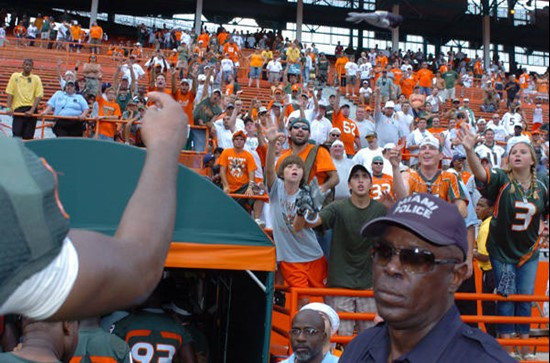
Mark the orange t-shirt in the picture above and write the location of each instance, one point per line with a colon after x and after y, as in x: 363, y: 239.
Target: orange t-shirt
x: 381, y: 183
x: 425, y: 77
x: 256, y: 60
x: 397, y: 74
x: 222, y: 38
x: 233, y: 51
x: 239, y: 165
x: 186, y: 102
x: 349, y: 131
x: 436, y: 131
x: 407, y: 86
x: 19, y: 30
x: 108, y: 108
x: 96, y: 32
x: 75, y: 32
x: 205, y: 39
x: 445, y: 185
x: 154, y: 89
x: 323, y: 162
x: 340, y: 65
x: 524, y: 80
x: 478, y: 69
x: 381, y: 61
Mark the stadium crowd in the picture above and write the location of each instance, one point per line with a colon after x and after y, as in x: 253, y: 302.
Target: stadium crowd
x: 337, y: 144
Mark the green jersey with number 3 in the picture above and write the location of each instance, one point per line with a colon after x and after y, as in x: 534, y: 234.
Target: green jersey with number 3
x: 514, y: 229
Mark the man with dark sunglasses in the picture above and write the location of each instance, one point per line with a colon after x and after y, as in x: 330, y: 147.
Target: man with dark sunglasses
x: 418, y: 263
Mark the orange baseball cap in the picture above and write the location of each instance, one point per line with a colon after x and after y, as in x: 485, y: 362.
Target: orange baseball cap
x: 295, y: 87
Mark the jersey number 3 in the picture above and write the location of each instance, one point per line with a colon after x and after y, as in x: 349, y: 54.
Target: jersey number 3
x: 525, y: 216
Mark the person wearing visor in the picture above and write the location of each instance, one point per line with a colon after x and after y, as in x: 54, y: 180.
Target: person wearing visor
x: 418, y: 256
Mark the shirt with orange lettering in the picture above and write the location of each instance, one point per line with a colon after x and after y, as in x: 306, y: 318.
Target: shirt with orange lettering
x: 320, y: 168
x: 238, y: 167
x: 233, y: 51
x: 349, y: 130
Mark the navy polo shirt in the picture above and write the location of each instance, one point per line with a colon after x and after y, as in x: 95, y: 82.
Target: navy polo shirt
x: 449, y: 341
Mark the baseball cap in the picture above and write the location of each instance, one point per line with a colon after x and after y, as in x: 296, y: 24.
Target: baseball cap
x: 345, y: 104
x: 277, y: 104
x: 323, y: 103
x: 239, y: 133
x: 371, y: 133
x: 201, y: 77
x: 230, y: 105
x: 466, y: 100
x: 217, y: 90
x: 378, y: 159
x: 336, y: 143
x: 34, y: 223
x: 206, y: 158
x: 481, y: 121
x: 389, y: 145
x: 295, y: 87
x: 69, y: 82
x: 518, y: 124
x: 389, y: 104
x: 335, y: 130
x: 185, y: 80
x: 357, y: 167
x: 368, y: 108
x: 431, y: 218
x: 262, y: 109
x: 297, y: 120
x: 430, y: 141
x: 456, y: 100
x: 278, y: 90
x: 458, y: 156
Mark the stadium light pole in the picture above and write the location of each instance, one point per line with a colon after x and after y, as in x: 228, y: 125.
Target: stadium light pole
x: 395, y: 31
x: 198, y: 17
x: 486, y: 32
x: 93, y: 12
x: 299, y: 19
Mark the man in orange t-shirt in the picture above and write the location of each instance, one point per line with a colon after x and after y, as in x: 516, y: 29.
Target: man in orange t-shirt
x: 381, y: 183
x: 237, y: 168
x: 96, y: 35
x: 323, y: 167
x: 425, y: 79
x: 340, y: 66
x: 397, y: 74
x: 348, y: 127
x: 408, y: 81
x: 185, y: 95
x: 108, y: 110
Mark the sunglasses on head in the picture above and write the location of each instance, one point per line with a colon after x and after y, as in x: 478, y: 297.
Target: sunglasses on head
x: 413, y: 260
x: 308, y: 332
x: 300, y: 127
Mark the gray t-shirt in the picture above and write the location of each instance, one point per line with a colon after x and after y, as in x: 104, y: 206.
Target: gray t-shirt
x: 291, y: 246
x: 387, y: 129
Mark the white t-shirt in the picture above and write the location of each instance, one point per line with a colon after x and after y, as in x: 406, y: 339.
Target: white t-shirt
x: 364, y: 127
x: 365, y: 156
x: 227, y: 65
x: 320, y: 130
x: 274, y: 66
x: 365, y: 70
x: 343, y: 166
x: 290, y: 246
x: 494, y: 153
x: 351, y: 69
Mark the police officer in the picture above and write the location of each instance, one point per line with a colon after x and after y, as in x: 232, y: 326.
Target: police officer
x: 418, y: 263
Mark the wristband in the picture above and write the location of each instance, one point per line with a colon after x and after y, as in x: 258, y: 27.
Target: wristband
x: 317, y: 218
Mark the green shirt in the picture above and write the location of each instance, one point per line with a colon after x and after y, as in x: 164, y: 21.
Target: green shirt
x: 514, y: 230
x: 205, y: 111
x: 450, y: 77
x: 95, y: 342
x: 12, y: 358
x: 152, y: 332
x: 350, y: 261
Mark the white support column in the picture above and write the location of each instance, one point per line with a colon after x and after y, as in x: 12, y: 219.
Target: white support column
x: 395, y: 32
x: 486, y: 36
x: 198, y: 17
x: 299, y: 19
x: 93, y: 12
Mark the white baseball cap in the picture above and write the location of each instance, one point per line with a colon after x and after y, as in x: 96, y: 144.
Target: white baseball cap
x: 389, y: 104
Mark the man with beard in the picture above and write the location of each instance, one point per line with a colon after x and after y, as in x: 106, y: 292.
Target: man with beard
x: 308, y: 336
x: 321, y: 165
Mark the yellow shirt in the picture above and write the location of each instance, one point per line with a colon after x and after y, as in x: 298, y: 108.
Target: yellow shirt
x: 292, y: 55
x: 24, y: 89
x: 256, y: 60
x: 482, y: 244
x: 267, y: 55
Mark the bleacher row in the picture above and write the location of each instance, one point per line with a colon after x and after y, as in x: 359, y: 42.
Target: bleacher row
x: 45, y: 63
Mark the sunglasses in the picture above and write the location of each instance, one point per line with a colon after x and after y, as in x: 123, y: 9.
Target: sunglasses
x: 377, y: 163
x: 412, y: 260
x: 300, y: 127
x: 308, y: 332
x: 335, y: 135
